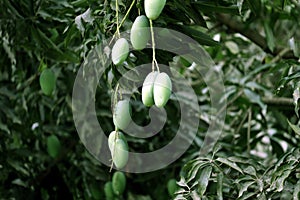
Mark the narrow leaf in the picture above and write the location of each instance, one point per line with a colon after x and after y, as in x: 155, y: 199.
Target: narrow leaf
x: 220, y: 177
x: 296, y: 193
x: 295, y: 128
x: 240, y: 5
x: 296, y: 96
x: 269, y: 36
x: 244, y: 187
x: 254, y: 6
x: 212, y: 7
x: 204, y: 179
x: 196, y: 33
x: 250, y: 170
x: 254, y: 98
x: 230, y: 164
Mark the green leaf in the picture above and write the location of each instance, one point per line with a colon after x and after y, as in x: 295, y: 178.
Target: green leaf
x: 262, y: 196
x: 276, y: 147
x: 204, y: 179
x: 196, y: 33
x: 296, y: 97
x: 269, y: 35
x: 254, y: 6
x: 194, y: 170
x: 295, y: 46
x: 279, y: 183
x: 230, y: 164
x: 244, y: 187
x: 213, y: 7
x: 86, y: 17
x: 250, y: 170
x: 18, y: 166
x: 191, y: 12
x: 255, y: 71
x: 95, y: 191
x: 4, y: 127
x: 254, y: 98
x: 296, y: 193
x: 248, y: 195
x: 47, y: 42
x: 232, y: 46
x: 295, y: 128
x: 220, y: 178
x: 240, y: 5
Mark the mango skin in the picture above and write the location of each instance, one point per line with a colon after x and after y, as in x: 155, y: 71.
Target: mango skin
x: 122, y: 114
x: 119, y: 183
x: 140, y: 34
x: 112, y: 138
x: 47, y: 81
x: 120, y: 153
x: 108, y: 191
x: 153, y: 8
x: 147, y: 89
x: 120, y: 51
x: 162, y: 89
x: 53, y: 146
x: 172, y: 187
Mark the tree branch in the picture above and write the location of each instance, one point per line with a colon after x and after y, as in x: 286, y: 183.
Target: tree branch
x: 281, y: 101
x: 252, y: 35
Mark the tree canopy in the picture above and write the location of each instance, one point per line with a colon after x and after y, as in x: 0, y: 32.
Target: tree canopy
x: 254, y: 46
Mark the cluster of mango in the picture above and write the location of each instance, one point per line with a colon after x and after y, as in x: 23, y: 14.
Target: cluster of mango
x: 156, y: 88
x: 116, y: 187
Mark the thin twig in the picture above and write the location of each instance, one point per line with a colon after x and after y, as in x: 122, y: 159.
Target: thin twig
x: 154, y: 62
x: 249, y: 129
x: 122, y: 22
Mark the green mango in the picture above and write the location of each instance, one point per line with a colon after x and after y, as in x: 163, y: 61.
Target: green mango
x: 140, y: 34
x: 47, y: 81
x: 119, y: 183
x: 53, y: 146
x: 172, y: 187
x: 108, y: 191
x: 112, y: 138
x: 162, y: 89
x: 120, y: 51
x: 119, y: 153
x: 153, y: 8
x: 122, y: 114
x: 147, y: 89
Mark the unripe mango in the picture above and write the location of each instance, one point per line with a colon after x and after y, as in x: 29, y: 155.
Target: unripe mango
x: 147, y: 89
x: 120, y: 51
x: 153, y: 8
x: 119, y: 153
x: 122, y: 114
x: 53, y: 146
x: 140, y: 33
x: 172, y: 187
x: 47, y: 81
x: 162, y: 89
x: 118, y: 183
x: 108, y: 191
x: 112, y: 138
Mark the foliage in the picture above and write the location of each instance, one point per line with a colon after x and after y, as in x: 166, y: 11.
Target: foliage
x: 255, y: 44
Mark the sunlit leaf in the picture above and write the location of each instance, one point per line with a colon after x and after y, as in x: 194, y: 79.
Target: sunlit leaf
x: 294, y: 127
x: 204, y: 179
x: 254, y: 98
x: 230, y: 164
x: 244, y: 187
